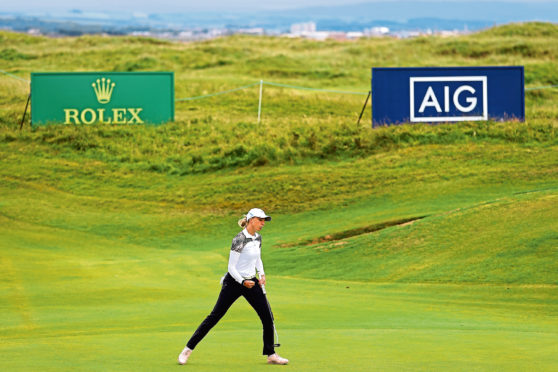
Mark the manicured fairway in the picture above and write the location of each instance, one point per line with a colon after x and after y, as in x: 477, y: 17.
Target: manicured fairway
x: 323, y: 325
x: 75, y: 300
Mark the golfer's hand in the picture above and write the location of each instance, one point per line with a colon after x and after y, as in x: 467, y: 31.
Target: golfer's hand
x: 249, y: 283
x: 262, y: 280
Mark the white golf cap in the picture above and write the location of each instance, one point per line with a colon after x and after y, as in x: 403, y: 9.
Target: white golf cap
x: 257, y: 212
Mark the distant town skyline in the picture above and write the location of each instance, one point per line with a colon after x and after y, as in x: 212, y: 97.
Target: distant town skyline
x: 195, y: 6
x: 319, y: 19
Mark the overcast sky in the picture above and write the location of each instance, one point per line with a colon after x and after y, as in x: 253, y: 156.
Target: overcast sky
x: 182, y: 5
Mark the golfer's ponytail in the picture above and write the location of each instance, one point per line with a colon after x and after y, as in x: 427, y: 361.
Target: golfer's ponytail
x: 243, y: 222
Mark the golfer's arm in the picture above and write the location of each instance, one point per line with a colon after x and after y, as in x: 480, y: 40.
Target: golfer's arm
x: 259, y: 266
x: 233, y: 260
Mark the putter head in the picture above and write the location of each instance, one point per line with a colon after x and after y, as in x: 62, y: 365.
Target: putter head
x: 276, y: 345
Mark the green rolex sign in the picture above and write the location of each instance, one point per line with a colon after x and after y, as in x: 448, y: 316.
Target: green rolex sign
x: 83, y: 98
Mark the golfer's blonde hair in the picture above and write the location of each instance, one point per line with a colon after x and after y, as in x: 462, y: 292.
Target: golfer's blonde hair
x: 243, y: 222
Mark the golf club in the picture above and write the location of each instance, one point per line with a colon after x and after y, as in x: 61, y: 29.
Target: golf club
x: 277, y: 344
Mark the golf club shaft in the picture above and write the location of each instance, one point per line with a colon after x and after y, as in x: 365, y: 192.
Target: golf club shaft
x: 277, y: 344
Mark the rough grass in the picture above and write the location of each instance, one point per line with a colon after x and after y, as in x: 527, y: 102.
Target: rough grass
x: 220, y: 64
x: 211, y: 145
x: 298, y: 126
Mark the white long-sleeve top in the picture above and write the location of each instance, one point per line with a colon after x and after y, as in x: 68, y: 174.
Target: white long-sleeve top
x: 245, y: 256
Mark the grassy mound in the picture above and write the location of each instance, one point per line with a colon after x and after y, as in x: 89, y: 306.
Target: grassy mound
x: 176, y: 149
x: 505, y: 241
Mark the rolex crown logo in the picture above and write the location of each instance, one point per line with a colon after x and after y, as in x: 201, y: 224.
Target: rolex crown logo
x: 103, y: 89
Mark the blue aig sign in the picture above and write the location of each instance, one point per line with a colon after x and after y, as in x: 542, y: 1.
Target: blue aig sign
x: 448, y: 94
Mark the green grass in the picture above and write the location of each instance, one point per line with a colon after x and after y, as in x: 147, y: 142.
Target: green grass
x: 113, y: 239
x: 484, y: 243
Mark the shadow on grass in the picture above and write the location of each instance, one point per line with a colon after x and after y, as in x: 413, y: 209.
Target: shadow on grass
x: 354, y: 232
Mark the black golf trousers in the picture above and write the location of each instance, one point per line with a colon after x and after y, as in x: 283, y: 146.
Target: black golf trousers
x: 230, y: 292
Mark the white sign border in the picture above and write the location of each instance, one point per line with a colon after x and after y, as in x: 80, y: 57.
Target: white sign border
x: 414, y: 119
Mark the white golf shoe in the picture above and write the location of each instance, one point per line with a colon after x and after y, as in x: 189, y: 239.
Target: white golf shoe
x: 184, y: 355
x: 276, y: 359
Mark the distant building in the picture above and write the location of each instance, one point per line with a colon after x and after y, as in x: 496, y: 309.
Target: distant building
x: 336, y: 35
x: 301, y: 29
x: 408, y: 34
x: 141, y: 33
x: 257, y: 31
x: 34, y: 32
x: 355, y: 35
x: 376, y: 31
x: 185, y: 35
x: 448, y: 33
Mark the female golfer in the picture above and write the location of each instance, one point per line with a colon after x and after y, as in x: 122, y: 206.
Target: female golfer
x: 240, y: 280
